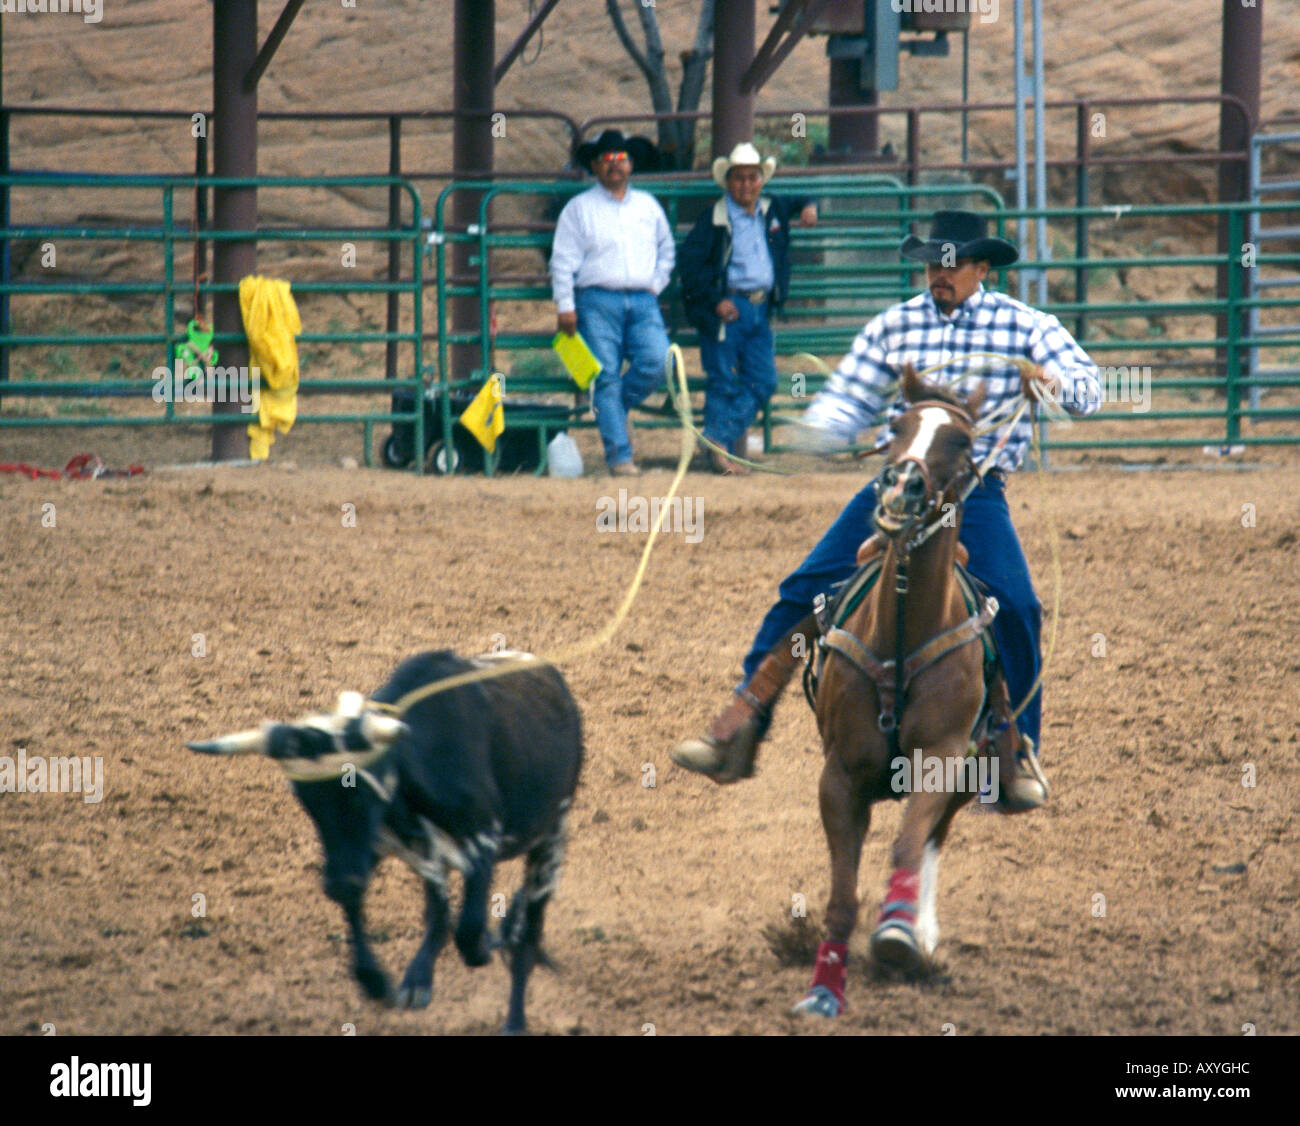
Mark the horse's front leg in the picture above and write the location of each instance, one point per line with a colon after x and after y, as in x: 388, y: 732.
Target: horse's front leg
x: 846, y: 817
x: 927, y: 917
x: 908, y: 922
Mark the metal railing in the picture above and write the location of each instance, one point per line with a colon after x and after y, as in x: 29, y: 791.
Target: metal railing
x: 849, y: 262
x: 911, y: 165
x: 1173, y: 362
x: 166, y: 233
x: 1259, y: 279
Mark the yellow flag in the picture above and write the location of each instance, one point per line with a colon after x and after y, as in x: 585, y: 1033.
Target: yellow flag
x: 485, y: 417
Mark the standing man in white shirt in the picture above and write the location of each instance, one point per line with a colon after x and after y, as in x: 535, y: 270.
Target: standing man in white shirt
x: 612, y: 257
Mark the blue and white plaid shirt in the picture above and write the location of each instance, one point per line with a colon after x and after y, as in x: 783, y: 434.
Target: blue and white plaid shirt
x: 918, y: 332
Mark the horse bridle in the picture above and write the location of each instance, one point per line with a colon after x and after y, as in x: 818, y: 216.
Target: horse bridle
x: 915, y: 530
x: 919, y: 526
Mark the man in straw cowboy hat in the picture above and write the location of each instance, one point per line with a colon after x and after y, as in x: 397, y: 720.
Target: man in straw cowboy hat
x: 735, y: 271
x: 612, y: 256
x: 955, y: 317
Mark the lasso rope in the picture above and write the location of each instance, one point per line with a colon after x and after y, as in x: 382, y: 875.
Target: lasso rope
x: 506, y: 665
x: 677, y: 373
x: 1054, y: 542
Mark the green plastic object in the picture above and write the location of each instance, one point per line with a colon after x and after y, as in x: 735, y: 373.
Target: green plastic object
x: 197, y: 349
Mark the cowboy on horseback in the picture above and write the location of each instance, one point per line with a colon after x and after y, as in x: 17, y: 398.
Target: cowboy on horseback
x: 955, y: 317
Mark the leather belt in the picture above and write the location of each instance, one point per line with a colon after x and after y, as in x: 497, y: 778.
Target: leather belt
x: 753, y: 296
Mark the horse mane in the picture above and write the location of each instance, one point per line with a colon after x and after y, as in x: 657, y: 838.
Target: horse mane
x: 917, y: 390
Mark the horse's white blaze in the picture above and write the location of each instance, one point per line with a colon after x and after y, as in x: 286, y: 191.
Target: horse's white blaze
x: 927, y: 918
x: 931, y: 419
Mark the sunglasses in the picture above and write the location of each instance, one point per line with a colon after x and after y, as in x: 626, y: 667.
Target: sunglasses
x: 611, y: 157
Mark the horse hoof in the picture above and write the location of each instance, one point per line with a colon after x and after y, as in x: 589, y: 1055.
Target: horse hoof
x: 894, y: 944
x: 820, y: 1002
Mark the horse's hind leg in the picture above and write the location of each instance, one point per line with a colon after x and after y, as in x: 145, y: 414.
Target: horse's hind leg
x: 846, y: 816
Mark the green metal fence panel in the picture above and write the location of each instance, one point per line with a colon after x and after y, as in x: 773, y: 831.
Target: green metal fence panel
x: 1198, y: 341
x: 871, y: 216
x: 167, y: 234
x: 1177, y: 332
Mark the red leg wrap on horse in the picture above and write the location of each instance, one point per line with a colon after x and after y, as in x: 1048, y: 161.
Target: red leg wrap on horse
x: 900, y: 899
x: 832, y: 958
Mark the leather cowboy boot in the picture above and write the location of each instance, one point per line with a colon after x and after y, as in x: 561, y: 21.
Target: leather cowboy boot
x: 1023, y: 785
x: 726, y: 754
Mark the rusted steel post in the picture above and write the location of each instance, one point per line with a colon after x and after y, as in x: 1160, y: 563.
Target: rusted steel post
x: 234, y: 150
x: 1239, y: 76
x: 733, y: 51
x: 852, y: 137
x: 472, y: 68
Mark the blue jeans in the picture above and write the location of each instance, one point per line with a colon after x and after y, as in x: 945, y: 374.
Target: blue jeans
x: 996, y: 559
x: 741, y: 371
x: 621, y: 325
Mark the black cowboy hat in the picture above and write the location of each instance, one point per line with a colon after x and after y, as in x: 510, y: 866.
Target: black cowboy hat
x: 959, y: 234
x: 641, y: 152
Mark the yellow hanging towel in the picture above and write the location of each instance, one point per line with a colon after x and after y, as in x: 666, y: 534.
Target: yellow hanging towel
x: 485, y: 417
x: 271, y: 323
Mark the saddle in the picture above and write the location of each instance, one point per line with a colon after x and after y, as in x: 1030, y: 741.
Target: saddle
x: 980, y: 604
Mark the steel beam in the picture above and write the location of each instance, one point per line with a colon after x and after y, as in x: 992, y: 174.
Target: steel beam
x: 517, y: 47
x: 1239, y: 78
x: 234, y: 154
x: 254, y: 73
x: 472, y: 99
x: 855, y: 136
x: 733, y: 51
x: 793, y: 23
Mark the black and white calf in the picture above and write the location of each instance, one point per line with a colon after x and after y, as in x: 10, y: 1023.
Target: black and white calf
x: 460, y: 779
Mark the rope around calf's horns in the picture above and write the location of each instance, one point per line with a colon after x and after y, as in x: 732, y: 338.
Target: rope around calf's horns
x: 677, y: 373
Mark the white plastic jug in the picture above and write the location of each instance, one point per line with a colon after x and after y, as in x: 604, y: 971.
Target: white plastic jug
x: 562, y: 456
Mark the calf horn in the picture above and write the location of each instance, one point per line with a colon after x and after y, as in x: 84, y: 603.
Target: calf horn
x: 241, y: 743
x: 381, y: 730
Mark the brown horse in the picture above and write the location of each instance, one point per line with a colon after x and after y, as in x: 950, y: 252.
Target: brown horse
x: 896, y: 707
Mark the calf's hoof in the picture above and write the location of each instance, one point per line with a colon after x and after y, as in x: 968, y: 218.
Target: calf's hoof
x: 894, y: 944
x: 476, y: 950
x: 375, y: 983
x: 414, y: 996
x: 819, y: 1002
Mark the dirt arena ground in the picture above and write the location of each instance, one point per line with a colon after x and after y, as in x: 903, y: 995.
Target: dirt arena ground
x: 1175, y: 678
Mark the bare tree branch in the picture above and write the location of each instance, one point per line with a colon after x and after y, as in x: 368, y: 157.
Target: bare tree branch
x: 676, y: 138
x: 654, y: 45
x: 629, y: 45
x: 704, y: 30
x: 695, y: 68
x: 695, y: 63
